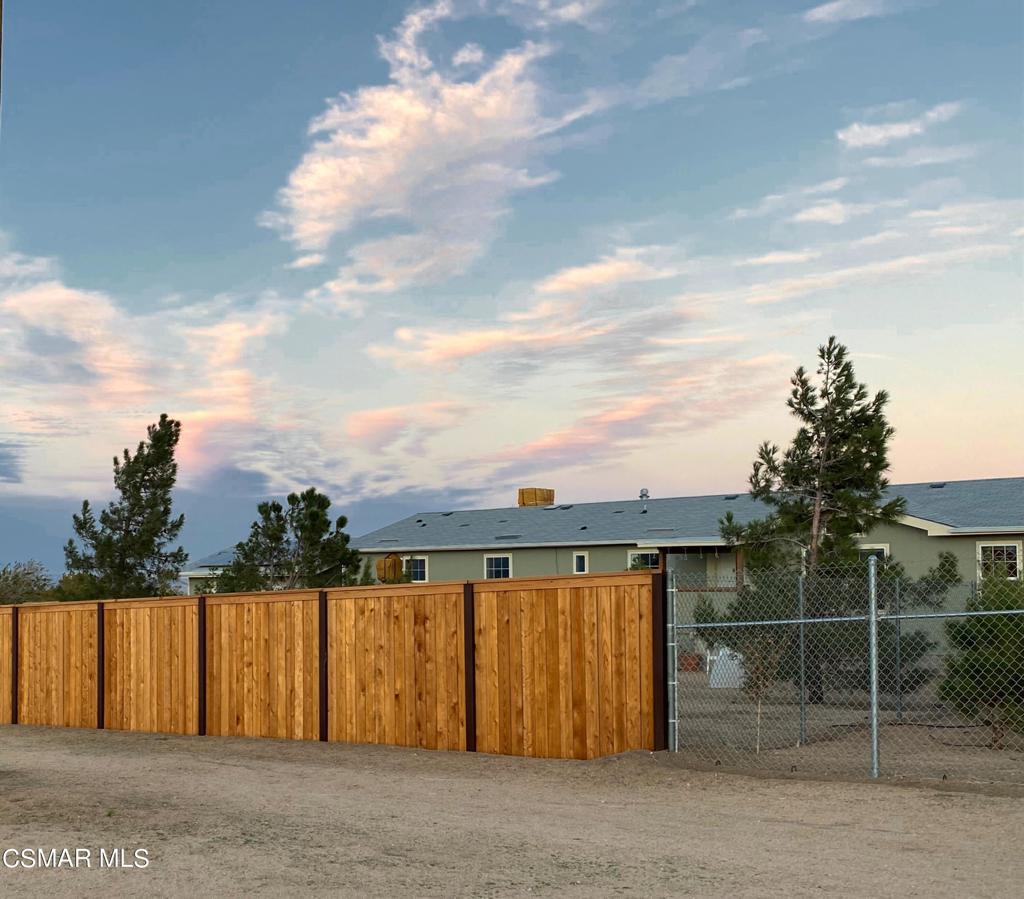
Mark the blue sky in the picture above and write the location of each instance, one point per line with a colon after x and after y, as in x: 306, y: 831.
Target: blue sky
x: 422, y: 254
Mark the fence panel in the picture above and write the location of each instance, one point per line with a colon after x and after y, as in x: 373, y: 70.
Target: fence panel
x: 854, y: 670
x: 564, y: 667
x: 57, y: 664
x: 262, y: 674
x: 395, y: 666
x: 6, y: 657
x: 151, y: 666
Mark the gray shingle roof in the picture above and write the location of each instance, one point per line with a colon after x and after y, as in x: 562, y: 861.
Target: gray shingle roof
x: 995, y: 503
x: 991, y: 503
x: 217, y: 560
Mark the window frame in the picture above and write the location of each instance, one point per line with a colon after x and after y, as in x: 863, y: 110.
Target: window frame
x: 884, y: 547
x: 586, y: 561
x: 981, y: 544
x: 507, y: 556
x: 631, y: 554
x: 426, y: 567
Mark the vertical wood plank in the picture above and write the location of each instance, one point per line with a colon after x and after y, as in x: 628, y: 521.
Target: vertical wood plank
x: 526, y: 611
x: 579, y: 680
x: 605, y: 670
x: 565, y: 719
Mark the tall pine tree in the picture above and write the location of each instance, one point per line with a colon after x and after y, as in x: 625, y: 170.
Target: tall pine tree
x: 126, y: 551
x: 829, y: 484
x: 295, y: 547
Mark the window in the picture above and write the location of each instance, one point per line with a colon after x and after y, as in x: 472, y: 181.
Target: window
x: 416, y: 568
x: 999, y: 558
x: 879, y: 550
x: 580, y: 563
x: 497, y: 566
x: 644, y: 559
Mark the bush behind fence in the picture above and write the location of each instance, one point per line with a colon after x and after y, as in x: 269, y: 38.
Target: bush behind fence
x: 780, y: 672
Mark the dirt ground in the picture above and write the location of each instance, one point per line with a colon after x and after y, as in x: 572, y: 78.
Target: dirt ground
x: 230, y: 817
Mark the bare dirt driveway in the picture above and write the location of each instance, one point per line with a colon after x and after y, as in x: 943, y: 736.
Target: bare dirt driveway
x: 226, y: 817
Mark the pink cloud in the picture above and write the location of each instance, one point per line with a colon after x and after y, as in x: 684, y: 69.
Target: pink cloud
x: 380, y: 428
x: 433, y: 348
x: 626, y: 265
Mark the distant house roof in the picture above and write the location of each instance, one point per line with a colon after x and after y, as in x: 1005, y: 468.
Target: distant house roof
x: 217, y: 560
x: 991, y: 504
x: 980, y: 505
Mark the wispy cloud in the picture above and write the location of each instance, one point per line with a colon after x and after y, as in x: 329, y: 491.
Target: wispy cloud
x: 771, y: 203
x: 715, y: 62
x: 10, y: 461
x: 625, y: 265
x: 879, y: 134
x: 308, y: 261
x: 439, y: 157
x: 377, y: 429
x: 444, y: 348
x: 839, y: 11
x: 923, y: 156
x: 17, y: 266
x: 629, y: 421
x: 835, y: 212
x: 790, y: 288
x: 468, y: 55
x: 781, y: 257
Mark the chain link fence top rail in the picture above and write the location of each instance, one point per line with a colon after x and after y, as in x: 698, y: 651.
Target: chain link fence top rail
x: 796, y: 673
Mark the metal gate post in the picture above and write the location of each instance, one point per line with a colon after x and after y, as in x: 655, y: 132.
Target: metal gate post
x: 873, y: 657
x: 803, y: 667
x: 899, y: 660
x: 673, y: 665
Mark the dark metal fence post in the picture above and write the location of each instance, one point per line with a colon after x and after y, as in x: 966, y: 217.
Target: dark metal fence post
x: 14, y: 664
x: 659, y: 597
x: 672, y: 652
x: 803, y: 660
x: 873, y: 657
x: 101, y: 667
x: 322, y: 605
x: 469, y: 662
x: 201, y: 666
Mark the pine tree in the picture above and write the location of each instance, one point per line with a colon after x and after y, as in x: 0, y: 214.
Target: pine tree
x: 125, y: 552
x: 825, y: 488
x: 295, y: 547
x: 830, y: 483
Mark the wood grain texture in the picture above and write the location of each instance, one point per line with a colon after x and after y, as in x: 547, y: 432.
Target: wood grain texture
x: 396, y: 671
x: 5, y: 664
x: 263, y: 666
x: 563, y: 666
x: 151, y: 666
x: 57, y: 665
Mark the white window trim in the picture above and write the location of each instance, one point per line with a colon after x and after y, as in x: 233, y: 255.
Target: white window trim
x: 631, y: 555
x: 882, y: 546
x: 586, y: 561
x: 498, y: 556
x: 426, y: 567
x: 982, y: 543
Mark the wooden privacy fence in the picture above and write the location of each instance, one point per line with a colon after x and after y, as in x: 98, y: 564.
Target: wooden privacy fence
x: 563, y: 667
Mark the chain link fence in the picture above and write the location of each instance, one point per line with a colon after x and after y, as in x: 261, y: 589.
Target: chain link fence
x: 856, y: 671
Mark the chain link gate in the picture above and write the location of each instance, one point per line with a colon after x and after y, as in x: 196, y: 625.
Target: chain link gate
x: 854, y: 670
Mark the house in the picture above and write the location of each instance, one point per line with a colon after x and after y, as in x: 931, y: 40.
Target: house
x: 980, y: 521
x: 199, y: 577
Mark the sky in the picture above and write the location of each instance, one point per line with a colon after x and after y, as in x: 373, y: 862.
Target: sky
x: 420, y: 255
